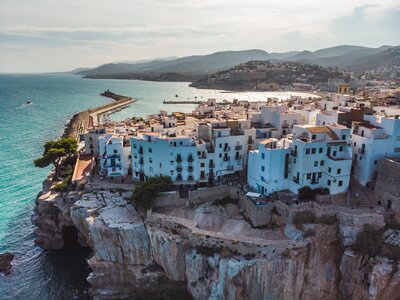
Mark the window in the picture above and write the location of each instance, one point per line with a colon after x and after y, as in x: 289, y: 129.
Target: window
x: 328, y: 182
x: 319, y: 174
x: 115, y: 151
x: 316, y: 163
x: 329, y: 169
x: 308, y: 151
x: 262, y: 156
x: 262, y: 168
x: 134, y: 146
x: 294, y: 160
x: 314, y: 136
x: 202, y: 165
x: 354, y: 144
x: 151, y: 169
x: 322, y: 163
x: 375, y: 162
x: 321, y: 150
x: 220, y: 145
x: 150, y: 159
x: 262, y: 178
x: 150, y: 150
x: 308, y: 175
x: 341, y: 149
x: 313, y: 150
x: 340, y: 183
x: 135, y: 155
x: 343, y: 137
x: 334, y: 153
x: 339, y: 171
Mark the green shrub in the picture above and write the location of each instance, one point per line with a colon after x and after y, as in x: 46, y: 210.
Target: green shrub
x: 369, y: 241
x: 145, y: 195
x: 304, y: 217
x: 306, y: 193
x: 67, y: 172
x: 61, y: 186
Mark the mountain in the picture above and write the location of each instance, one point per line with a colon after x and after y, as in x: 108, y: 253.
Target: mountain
x: 346, y: 57
x: 196, y: 64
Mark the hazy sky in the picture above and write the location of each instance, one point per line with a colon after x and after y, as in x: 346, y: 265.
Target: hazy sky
x: 52, y: 35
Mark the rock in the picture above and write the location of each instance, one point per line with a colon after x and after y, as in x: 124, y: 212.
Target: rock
x: 5, y: 262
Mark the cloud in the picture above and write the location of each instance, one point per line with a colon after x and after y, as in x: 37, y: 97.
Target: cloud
x: 118, y: 30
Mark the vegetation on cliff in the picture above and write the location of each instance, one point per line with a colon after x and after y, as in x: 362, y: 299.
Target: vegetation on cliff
x: 145, y: 195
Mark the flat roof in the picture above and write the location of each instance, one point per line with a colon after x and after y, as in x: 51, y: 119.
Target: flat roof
x: 83, y: 165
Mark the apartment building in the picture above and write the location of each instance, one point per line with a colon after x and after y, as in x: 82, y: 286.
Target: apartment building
x: 372, y: 139
x: 115, y: 155
x: 320, y: 157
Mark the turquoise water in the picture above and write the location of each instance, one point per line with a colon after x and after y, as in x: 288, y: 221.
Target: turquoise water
x: 39, y: 274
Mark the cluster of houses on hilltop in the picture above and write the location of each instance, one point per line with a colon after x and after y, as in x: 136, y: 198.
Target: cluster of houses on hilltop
x: 316, y: 142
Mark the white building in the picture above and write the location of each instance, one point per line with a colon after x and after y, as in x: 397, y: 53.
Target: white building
x: 115, y: 155
x: 91, y: 139
x: 373, y: 139
x: 155, y: 155
x: 320, y: 158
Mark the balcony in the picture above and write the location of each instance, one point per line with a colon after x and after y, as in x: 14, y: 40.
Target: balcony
x: 361, y: 151
x: 141, y: 161
x: 140, y: 150
x: 294, y: 153
x: 226, y: 149
x: 190, y: 159
x: 190, y: 168
x: 295, y: 179
x: 238, y: 157
x: 211, y: 165
x: 250, y: 141
x: 227, y: 158
x: 285, y: 126
x: 179, y: 178
x: 203, y: 156
x: 238, y: 147
x: 179, y: 158
x: 179, y: 168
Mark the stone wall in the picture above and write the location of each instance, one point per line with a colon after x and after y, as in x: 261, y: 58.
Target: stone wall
x: 242, y: 245
x: 387, y: 188
x: 259, y: 215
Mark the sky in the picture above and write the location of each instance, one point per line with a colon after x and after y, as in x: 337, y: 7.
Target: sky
x: 53, y: 35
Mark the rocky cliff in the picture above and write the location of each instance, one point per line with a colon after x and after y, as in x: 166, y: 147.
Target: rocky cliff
x: 159, y: 255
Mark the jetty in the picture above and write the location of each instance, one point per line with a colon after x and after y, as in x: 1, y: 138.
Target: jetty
x: 183, y: 102
x: 80, y: 122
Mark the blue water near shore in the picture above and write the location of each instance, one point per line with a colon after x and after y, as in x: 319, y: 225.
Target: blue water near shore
x: 39, y: 274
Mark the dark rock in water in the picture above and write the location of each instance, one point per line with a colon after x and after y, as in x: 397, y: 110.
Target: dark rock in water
x: 5, y: 262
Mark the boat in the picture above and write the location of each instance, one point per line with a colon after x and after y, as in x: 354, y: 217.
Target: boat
x: 29, y: 102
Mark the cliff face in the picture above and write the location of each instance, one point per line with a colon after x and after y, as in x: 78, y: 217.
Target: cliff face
x: 159, y: 255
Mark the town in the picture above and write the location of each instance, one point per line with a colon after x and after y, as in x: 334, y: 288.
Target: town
x: 323, y: 143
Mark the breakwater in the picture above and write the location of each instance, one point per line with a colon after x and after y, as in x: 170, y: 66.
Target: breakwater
x: 80, y: 122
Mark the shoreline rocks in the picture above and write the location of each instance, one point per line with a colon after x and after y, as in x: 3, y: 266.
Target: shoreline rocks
x: 5, y: 262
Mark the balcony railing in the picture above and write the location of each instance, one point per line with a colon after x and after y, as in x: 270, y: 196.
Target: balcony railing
x: 295, y: 179
x: 190, y: 159
x: 179, y: 158
x: 238, y: 147
x: 227, y: 158
x: 190, y: 169
x: 179, y: 168
x: 226, y: 149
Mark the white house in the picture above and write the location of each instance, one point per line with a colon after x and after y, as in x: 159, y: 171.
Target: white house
x: 373, y: 139
x: 115, y: 155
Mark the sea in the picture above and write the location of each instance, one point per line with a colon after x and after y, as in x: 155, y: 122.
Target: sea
x: 24, y: 128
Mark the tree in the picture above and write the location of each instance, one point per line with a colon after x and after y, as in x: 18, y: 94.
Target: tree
x: 145, y: 194
x: 55, y: 150
x: 306, y: 193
